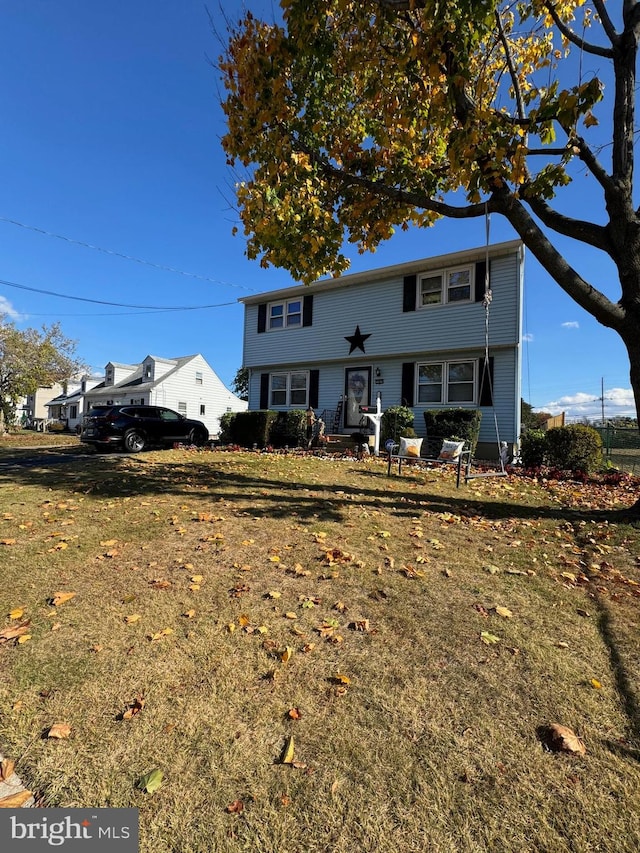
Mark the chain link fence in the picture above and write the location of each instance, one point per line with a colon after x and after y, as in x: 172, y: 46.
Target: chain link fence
x: 621, y: 447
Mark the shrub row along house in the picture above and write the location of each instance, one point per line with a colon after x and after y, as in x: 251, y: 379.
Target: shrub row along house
x: 414, y: 333
x: 187, y: 384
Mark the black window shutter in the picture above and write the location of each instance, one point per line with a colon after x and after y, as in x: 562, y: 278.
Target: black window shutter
x: 408, y: 381
x: 485, y: 398
x: 409, y: 293
x: 262, y: 317
x: 307, y: 310
x: 481, y: 274
x: 264, y: 390
x: 314, y: 386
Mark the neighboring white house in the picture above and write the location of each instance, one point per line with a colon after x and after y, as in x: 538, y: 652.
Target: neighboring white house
x: 68, y: 407
x: 34, y: 408
x: 187, y: 384
x: 413, y: 333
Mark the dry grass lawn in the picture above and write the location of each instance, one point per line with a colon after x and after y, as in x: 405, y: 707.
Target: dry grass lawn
x: 408, y: 640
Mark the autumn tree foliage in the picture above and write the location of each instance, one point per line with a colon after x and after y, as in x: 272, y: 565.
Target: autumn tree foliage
x: 352, y: 119
x: 30, y: 359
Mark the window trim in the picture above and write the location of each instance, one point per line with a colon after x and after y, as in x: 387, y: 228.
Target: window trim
x: 445, y: 397
x: 288, y: 404
x: 284, y: 304
x: 445, y: 273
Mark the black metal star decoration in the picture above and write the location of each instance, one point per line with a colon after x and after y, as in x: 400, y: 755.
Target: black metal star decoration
x: 356, y: 340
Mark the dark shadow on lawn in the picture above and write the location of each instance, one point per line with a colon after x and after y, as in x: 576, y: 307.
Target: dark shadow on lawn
x: 112, y: 476
x: 624, y: 686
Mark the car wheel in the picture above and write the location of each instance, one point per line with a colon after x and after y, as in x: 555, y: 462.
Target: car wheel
x: 197, y: 437
x: 134, y: 441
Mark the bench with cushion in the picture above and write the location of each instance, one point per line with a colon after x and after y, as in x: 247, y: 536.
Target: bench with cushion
x: 433, y: 450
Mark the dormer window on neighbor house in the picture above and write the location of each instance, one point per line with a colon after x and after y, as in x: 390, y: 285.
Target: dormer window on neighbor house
x: 108, y: 375
x: 148, y: 371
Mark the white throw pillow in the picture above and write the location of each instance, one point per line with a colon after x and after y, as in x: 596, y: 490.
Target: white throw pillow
x: 410, y: 447
x: 451, y: 449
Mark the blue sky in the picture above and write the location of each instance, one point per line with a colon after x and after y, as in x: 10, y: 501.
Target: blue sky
x: 111, y: 126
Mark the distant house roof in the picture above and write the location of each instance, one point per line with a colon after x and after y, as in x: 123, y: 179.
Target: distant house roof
x: 138, y: 380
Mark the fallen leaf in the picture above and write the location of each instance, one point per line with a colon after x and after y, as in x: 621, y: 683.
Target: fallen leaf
x: 274, y: 594
x: 189, y: 614
x: 135, y: 617
x: 151, y: 781
x: 15, y: 801
x: 287, y: 752
x: 359, y: 625
x: 59, y: 731
x: 24, y: 638
x: 14, y: 631
x: 16, y: 613
x: 489, y: 639
x: 504, y: 612
x: 59, y: 598
x: 133, y: 708
x: 595, y: 683
x: 285, y: 656
x: 197, y: 578
x: 582, y: 612
x: 109, y: 543
x: 8, y: 541
x: 561, y: 739
x: 7, y: 767
x: 236, y: 807
x: 294, y: 713
x: 290, y: 615
x: 340, y: 678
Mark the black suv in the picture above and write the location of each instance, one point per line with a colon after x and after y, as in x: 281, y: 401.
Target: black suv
x: 137, y: 427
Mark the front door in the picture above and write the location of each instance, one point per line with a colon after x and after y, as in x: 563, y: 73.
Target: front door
x: 357, y: 392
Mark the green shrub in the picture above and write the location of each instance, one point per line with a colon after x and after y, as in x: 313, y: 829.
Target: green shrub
x: 289, y: 429
x: 454, y: 423
x: 395, y: 422
x: 574, y: 447
x: 249, y: 428
x: 533, y: 446
x: 225, y: 432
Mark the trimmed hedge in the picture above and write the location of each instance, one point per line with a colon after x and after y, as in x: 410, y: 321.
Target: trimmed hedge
x: 289, y: 429
x: 396, y: 421
x: 575, y: 447
x: 533, y: 447
x: 454, y: 423
x: 249, y: 428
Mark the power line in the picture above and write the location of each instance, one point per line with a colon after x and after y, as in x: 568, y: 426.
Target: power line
x: 113, y: 304
x: 122, y: 255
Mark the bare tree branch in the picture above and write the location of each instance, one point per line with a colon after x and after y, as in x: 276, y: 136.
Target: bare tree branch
x: 568, y: 33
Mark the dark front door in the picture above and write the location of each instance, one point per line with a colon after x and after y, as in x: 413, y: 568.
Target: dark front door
x: 357, y: 392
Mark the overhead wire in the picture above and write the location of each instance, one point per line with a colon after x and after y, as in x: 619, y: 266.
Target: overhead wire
x: 123, y: 255
x: 153, y: 308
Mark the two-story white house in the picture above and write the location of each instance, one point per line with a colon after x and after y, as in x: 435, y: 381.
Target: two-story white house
x: 187, y: 384
x: 414, y: 333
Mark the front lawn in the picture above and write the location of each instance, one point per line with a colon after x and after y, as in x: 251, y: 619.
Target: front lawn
x: 401, y: 644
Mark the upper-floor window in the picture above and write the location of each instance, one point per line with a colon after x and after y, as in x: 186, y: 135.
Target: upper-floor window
x: 289, y: 389
x: 108, y: 376
x: 148, y: 370
x: 285, y: 315
x: 445, y: 286
x: 198, y: 377
x: 447, y: 382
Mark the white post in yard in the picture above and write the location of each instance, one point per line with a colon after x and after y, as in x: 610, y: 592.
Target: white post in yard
x: 375, y: 420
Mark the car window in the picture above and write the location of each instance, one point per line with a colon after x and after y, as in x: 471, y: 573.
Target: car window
x: 99, y: 411
x: 169, y: 415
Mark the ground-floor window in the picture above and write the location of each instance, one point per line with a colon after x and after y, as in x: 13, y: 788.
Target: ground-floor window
x: 452, y: 382
x: 289, y: 389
